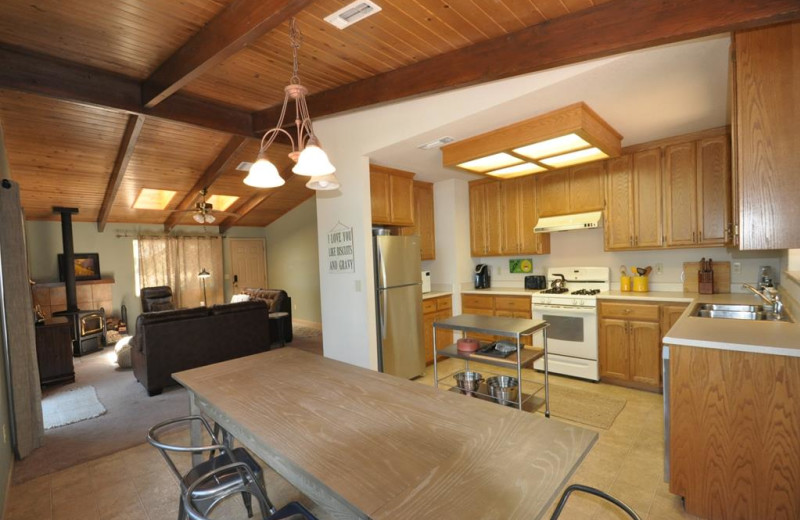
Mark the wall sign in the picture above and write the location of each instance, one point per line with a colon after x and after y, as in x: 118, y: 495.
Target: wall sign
x: 341, y: 258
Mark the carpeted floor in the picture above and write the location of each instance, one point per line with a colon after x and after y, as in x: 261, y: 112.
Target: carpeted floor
x: 130, y: 413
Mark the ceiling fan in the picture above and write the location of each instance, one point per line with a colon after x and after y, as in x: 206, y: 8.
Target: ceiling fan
x: 203, y: 212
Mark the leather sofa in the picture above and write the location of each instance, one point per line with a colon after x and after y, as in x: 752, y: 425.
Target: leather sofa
x: 171, y: 341
x: 278, y: 301
x: 156, y: 298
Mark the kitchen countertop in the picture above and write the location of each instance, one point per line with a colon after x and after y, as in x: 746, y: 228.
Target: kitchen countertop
x: 513, y: 291
x: 764, y: 337
x: 656, y: 296
x: 428, y: 295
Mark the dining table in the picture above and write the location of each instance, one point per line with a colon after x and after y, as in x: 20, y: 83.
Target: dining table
x: 364, y: 444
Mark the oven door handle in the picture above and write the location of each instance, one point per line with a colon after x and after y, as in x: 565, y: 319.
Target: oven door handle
x: 564, y: 311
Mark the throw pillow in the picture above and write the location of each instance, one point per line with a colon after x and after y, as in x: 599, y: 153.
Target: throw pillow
x: 123, y: 351
x: 237, y: 298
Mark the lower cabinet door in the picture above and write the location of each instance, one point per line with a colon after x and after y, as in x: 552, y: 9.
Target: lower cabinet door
x: 614, y: 350
x: 645, y: 349
x: 444, y: 337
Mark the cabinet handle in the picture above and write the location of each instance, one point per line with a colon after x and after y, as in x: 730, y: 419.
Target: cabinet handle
x: 636, y: 240
x: 631, y: 240
x: 626, y: 311
x: 694, y: 237
x: 699, y: 236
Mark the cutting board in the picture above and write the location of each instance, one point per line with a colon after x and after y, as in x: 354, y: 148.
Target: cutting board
x: 722, y: 277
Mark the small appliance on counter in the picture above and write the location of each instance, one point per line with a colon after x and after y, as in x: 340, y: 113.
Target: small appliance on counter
x: 482, y: 278
x: 426, y: 282
x: 536, y: 281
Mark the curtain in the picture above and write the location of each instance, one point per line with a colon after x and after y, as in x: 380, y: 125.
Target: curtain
x: 176, y: 262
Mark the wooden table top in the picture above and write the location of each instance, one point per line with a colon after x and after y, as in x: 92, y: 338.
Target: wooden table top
x: 386, y: 447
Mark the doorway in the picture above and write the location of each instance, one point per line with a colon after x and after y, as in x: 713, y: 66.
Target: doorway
x: 248, y: 263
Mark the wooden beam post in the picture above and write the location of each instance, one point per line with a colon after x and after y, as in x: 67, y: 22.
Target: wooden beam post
x: 239, y: 24
x: 51, y: 77
x: 217, y: 167
x: 610, y: 28
x: 132, y: 131
x: 252, y: 203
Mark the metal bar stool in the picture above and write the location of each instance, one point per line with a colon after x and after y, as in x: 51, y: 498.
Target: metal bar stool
x: 228, y: 475
x: 593, y: 491
x: 192, y: 500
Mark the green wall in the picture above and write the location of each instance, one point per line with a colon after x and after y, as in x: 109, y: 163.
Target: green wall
x: 293, y: 259
x: 116, y: 254
x: 6, y: 454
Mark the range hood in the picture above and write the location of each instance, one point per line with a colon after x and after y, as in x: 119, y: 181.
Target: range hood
x: 589, y: 220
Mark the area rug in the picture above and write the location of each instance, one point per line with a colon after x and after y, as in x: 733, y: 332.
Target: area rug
x: 589, y: 408
x: 70, y: 407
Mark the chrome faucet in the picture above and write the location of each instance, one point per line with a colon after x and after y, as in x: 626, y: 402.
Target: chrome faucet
x: 774, y: 299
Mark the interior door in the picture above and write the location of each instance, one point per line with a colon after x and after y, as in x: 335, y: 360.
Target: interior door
x: 248, y: 263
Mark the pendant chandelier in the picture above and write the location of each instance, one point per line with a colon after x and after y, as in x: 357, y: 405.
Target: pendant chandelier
x: 311, y: 160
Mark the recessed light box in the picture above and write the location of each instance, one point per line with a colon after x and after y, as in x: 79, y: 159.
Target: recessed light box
x: 222, y: 202
x: 352, y: 13
x: 150, y: 198
x: 571, y: 135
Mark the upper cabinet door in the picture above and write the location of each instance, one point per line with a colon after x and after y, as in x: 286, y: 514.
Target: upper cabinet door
x: 401, y: 191
x: 680, y: 187
x: 530, y: 243
x: 424, y: 219
x: 767, y: 134
x: 713, y: 190
x: 381, y: 202
x: 552, y: 196
x: 511, y: 216
x: 477, y: 219
x: 619, y: 203
x: 494, y: 218
x: 587, y: 187
x: 647, y: 199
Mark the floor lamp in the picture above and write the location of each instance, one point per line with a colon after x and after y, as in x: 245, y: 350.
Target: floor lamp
x: 203, y: 275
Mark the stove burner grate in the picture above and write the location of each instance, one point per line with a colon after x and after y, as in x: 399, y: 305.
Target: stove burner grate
x: 555, y: 290
x: 586, y: 292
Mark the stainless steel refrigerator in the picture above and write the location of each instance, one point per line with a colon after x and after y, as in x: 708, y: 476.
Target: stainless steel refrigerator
x: 398, y: 287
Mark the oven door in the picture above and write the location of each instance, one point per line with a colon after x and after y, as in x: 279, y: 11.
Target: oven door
x: 572, y: 331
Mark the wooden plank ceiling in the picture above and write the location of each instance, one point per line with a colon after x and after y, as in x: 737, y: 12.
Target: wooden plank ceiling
x: 101, y: 99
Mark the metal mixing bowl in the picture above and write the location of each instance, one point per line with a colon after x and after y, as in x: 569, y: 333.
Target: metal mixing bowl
x: 503, y: 388
x: 468, y: 382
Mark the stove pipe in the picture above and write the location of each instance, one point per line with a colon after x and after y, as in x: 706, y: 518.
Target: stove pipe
x: 69, y: 256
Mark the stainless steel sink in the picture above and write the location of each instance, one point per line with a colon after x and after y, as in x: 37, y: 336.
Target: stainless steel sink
x: 738, y: 312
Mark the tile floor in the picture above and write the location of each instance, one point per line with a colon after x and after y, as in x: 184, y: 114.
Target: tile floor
x: 626, y: 461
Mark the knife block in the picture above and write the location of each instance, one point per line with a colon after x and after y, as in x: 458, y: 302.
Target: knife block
x: 705, y: 282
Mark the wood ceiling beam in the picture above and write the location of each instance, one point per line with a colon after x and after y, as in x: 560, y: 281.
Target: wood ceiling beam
x: 252, y: 203
x: 132, y: 131
x: 217, y: 167
x: 51, y: 77
x: 238, y: 25
x: 608, y: 29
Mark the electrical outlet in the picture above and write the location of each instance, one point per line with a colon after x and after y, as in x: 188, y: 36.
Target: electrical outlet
x: 659, y: 268
x: 737, y: 268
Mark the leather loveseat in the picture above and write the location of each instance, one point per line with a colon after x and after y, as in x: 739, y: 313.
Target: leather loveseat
x: 170, y: 341
x: 278, y: 301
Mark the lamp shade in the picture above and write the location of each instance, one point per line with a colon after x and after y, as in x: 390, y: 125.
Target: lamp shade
x: 323, y: 183
x: 263, y: 174
x: 203, y: 274
x: 313, y: 162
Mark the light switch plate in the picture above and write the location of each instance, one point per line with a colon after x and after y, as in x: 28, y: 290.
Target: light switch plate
x: 737, y: 268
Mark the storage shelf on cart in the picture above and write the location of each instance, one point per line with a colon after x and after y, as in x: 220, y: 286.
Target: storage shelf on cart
x: 495, y: 325
x: 527, y: 356
x: 528, y: 403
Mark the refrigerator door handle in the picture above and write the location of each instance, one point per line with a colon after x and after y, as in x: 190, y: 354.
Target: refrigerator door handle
x: 382, y: 304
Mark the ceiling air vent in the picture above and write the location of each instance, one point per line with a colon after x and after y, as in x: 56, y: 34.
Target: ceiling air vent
x: 437, y: 143
x: 352, y: 13
x: 244, y: 166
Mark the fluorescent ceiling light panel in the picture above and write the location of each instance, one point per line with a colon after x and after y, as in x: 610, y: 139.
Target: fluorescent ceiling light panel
x: 222, y: 202
x: 491, y: 162
x: 153, y: 199
x: 572, y: 158
x: 352, y: 13
x: 517, y: 171
x: 555, y: 146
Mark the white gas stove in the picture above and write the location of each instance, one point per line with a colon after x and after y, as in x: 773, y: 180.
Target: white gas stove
x: 572, y: 314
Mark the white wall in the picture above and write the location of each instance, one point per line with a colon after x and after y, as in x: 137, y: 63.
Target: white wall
x: 585, y: 248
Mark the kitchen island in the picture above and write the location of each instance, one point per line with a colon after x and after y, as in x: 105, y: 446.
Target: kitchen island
x: 363, y: 444
x: 732, y: 402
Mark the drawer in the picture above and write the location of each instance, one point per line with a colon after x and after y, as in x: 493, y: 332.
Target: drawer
x: 429, y: 306
x: 444, y: 303
x: 512, y: 303
x: 629, y: 311
x: 477, y: 301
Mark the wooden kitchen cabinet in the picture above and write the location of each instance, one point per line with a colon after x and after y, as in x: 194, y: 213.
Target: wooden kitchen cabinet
x: 670, y: 313
x: 630, y: 344
x: 502, y: 217
x: 436, y: 309
x: 424, y: 226
x: 578, y: 189
x: 633, y: 201
x: 392, y: 196
x: 497, y: 305
x: 714, y: 212
x: 680, y: 194
x: 766, y: 130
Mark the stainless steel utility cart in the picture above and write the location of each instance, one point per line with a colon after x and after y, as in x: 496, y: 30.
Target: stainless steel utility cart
x: 515, y: 328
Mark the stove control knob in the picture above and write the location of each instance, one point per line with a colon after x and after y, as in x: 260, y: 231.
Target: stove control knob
x: 578, y: 303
